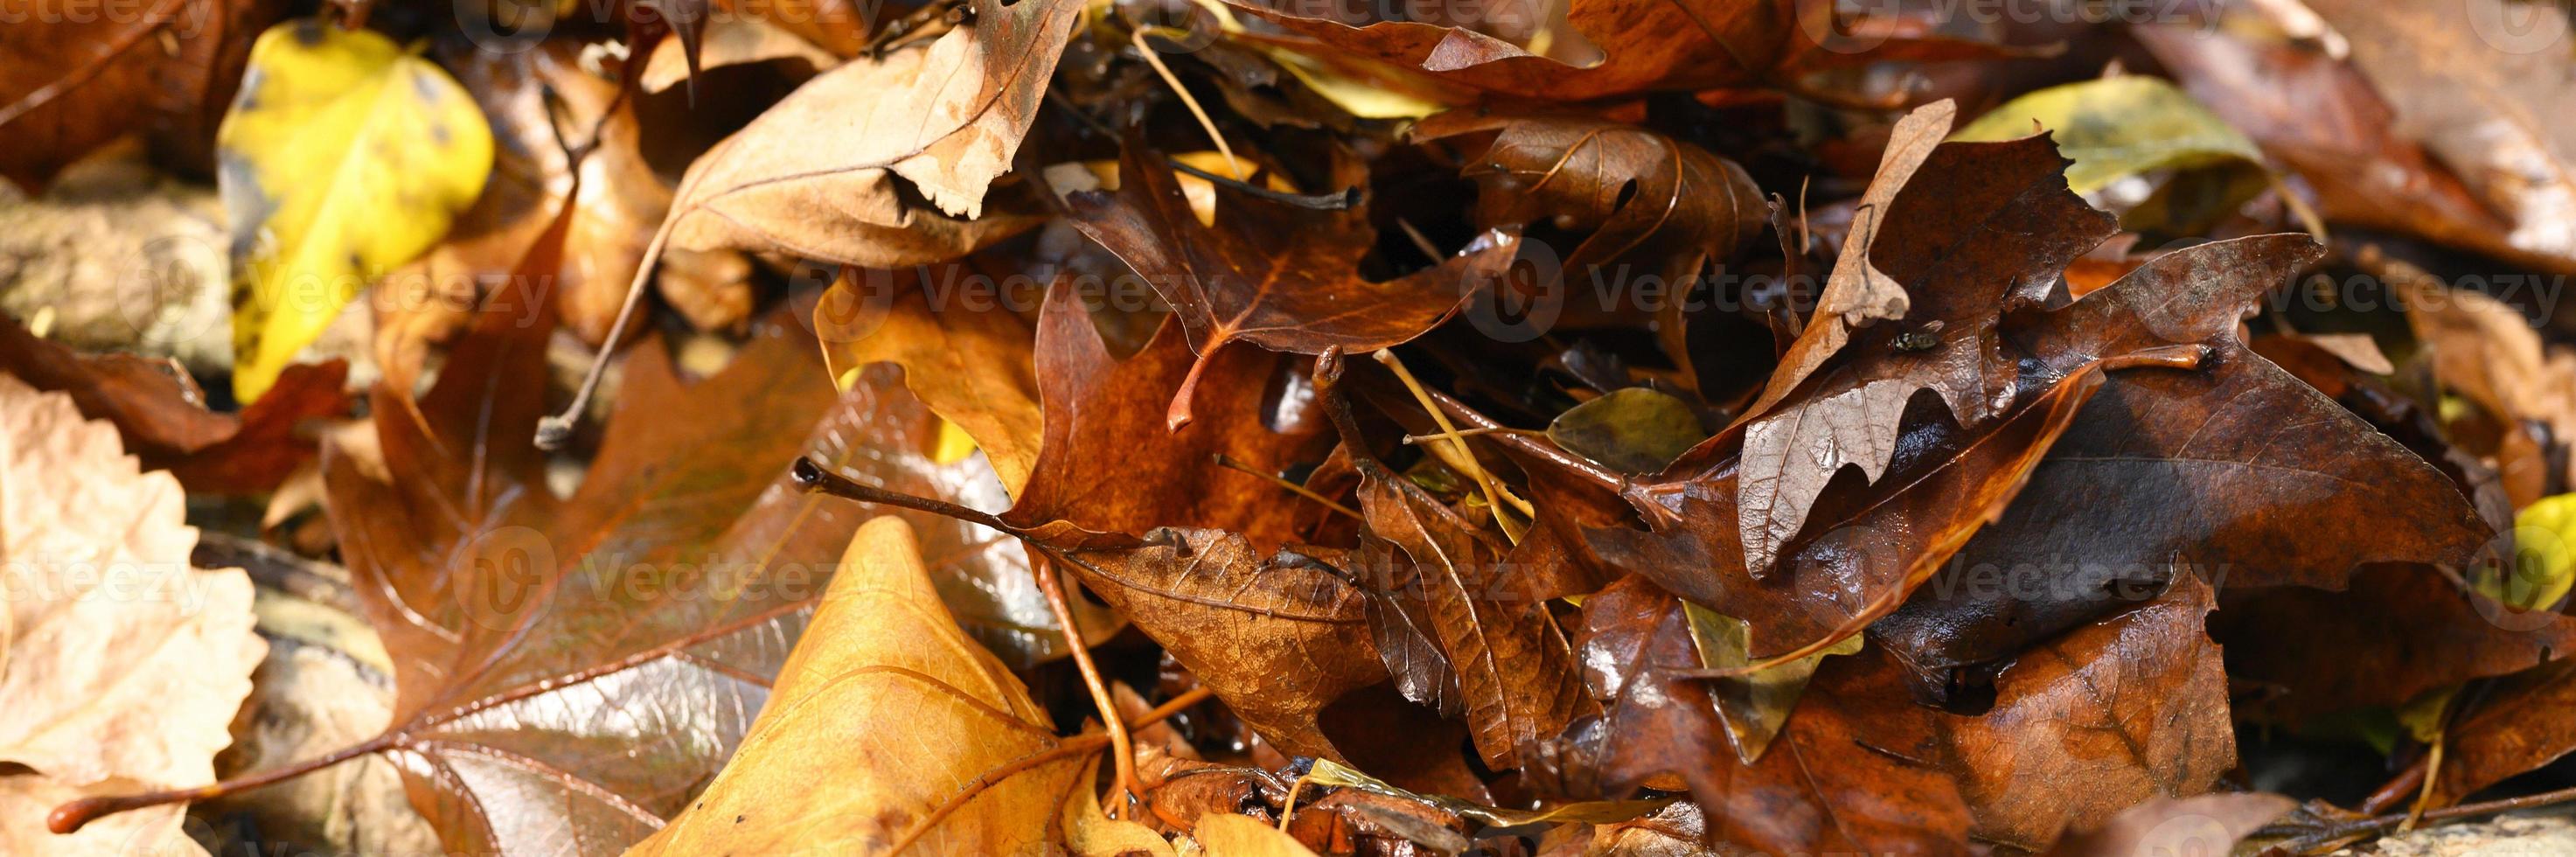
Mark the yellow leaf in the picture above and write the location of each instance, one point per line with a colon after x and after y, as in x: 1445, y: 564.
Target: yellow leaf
x: 342, y: 157
x: 2117, y: 127
x: 884, y: 717
x: 2544, y: 561
x: 1242, y: 836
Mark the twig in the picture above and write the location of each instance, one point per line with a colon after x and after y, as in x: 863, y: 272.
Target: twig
x: 1123, y: 753
x: 70, y: 817
x: 1346, y: 199
x: 2358, y: 827
x: 1300, y: 490
x: 1154, y: 58
x: 1074, y: 746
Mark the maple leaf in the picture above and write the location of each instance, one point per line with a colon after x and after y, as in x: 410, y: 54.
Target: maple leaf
x: 71, y: 82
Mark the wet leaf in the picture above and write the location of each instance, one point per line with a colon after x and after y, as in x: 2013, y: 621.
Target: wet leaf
x: 1631, y: 430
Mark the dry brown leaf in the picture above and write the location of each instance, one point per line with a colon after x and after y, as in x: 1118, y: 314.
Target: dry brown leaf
x: 884, y: 713
x: 2483, y: 85
x: 1858, y: 292
x: 815, y: 175
x: 122, y: 664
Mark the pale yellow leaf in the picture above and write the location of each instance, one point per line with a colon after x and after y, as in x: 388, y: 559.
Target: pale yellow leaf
x: 123, y: 664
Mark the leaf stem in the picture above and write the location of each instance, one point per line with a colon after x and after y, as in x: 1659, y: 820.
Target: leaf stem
x: 1465, y: 459
x: 71, y: 817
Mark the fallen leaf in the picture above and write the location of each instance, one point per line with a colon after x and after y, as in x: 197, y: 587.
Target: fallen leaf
x: 672, y: 579
x: 1630, y: 430
x: 1511, y: 666
x: 122, y: 663
x: 2108, y: 716
x: 1277, y: 635
x: 816, y: 174
x: 162, y: 414
x: 1239, y: 836
x: 896, y: 715
x: 730, y: 40
x: 1280, y: 277
x: 1651, y: 206
x: 965, y: 355
x: 1108, y: 464
x: 1618, y: 47
x: 343, y: 157
x: 2207, y: 824
x: 2467, y: 85
x: 1840, y: 778
x: 2117, y: 127
x: 71, y: 80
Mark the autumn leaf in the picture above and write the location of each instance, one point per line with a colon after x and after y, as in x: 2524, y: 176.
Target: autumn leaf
x: 1617, y: 47
x: 1651, y: 205
x: 853, y: 141
x: 122, y: 663
x: 925, y: 741
x: 1248, y: 280
x: 162, y: 415
x: 398, y: 148
x: 71, y: 81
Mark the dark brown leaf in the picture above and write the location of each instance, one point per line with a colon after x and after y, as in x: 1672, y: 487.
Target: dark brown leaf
x: 1277, y: 276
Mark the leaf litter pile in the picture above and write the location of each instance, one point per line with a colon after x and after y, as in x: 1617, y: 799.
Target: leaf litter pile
x: 1260, y: 428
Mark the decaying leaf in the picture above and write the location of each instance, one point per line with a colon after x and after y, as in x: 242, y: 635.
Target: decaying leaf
x: 121, y: 662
